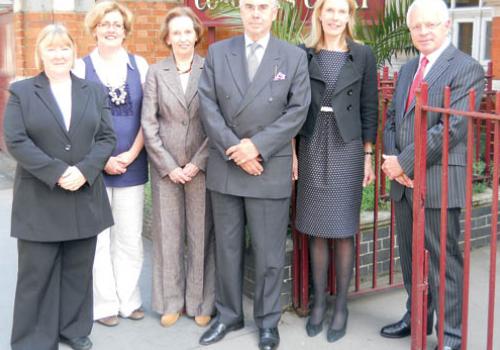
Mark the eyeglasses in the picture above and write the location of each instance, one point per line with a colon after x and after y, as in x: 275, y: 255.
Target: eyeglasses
x: 108, y: 25
x: 427, y: 25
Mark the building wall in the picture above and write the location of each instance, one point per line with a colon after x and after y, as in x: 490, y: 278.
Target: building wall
x: 143, y: 40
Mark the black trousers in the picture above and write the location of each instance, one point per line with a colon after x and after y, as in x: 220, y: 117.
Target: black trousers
x: 53, y: 293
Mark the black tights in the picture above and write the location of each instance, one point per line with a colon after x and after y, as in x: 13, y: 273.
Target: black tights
x: 344, y: 261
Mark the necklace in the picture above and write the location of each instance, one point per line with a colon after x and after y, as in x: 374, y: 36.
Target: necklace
x: 119, y: 95
x: 184, y: 71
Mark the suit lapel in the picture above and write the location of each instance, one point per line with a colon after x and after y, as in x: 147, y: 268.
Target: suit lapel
x: 79, y: 100
x: 192, y: 86
x: 408, y: 80
x: 237, y: 63
x: 172, y: 81
x: 42, y: 90
x: 268, y: 68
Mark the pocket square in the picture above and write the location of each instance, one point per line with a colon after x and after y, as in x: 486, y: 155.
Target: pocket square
x: 279, y: 76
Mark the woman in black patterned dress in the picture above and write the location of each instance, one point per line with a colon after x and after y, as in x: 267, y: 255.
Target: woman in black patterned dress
x: 335, y: 149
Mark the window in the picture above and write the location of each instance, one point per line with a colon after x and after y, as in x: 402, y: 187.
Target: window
x: 471, y: 28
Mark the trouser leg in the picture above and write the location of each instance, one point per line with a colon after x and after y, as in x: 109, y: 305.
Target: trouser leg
x: 267, y: 223
x: 229, y: 221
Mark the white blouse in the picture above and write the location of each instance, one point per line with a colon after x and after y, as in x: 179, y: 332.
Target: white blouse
x: 62, y: 95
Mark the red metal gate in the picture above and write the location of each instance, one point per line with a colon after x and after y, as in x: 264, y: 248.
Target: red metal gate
x: 419, y: 292
x: 481, y: 125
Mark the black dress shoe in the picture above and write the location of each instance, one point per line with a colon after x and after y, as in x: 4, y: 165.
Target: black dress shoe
x: 446, y: 347
x: 78, y: 343
x: 269, y: 338
x: 313, y: 329
x: 335, y: 334
x: 402, y: 329
x: 217, y: 331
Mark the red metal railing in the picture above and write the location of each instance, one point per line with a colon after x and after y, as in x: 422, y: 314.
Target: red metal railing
x: 419, y: 254
x: 300, y: 264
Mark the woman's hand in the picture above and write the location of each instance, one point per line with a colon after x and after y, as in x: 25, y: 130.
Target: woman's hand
x: 190, y: 170
x: 72, y: 179
x: 126, y: 158
x: 295, y: 165
x: 177, y: 176
x: 114, y: 166
x: 369, y: 176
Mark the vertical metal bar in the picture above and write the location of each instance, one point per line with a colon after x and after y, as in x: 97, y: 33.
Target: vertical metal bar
x: 304, y: 272
x: 494, y: 223
x: 357, y: 280
x: 418, y: 248
x: 478, y: 124
x: 426, y: 297
x: 295, y: 269
x: 444, y: 219
x: 392, y: 241
x: 487, y: 148
x: 468, y: 221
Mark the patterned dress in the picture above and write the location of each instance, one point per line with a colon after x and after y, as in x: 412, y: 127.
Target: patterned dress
x: 331, y: 171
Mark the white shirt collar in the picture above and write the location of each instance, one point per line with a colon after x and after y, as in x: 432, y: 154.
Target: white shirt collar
x: 97, y: 60
x: 262, y: 41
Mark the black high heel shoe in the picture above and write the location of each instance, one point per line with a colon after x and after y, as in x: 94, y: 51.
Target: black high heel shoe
x: 335, y: 334
x: 313, y: 329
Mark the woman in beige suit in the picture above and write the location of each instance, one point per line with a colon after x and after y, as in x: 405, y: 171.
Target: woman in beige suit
x: 183, y: 261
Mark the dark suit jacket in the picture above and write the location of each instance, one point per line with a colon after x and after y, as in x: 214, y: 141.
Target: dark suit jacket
x: 36, y: 137
x: 355, y: 100
x: 270, y: 111
x: 462, y: 73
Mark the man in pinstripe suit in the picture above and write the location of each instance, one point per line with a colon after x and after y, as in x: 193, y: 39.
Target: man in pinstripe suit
x: 440, y: 64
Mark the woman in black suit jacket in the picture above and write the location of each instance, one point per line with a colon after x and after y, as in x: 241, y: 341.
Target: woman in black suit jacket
x: 58, y: 129
x: 335, y: 149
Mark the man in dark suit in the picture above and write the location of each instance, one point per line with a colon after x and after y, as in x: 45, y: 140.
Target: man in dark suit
x: 254, y: 95
x: 440, y: 64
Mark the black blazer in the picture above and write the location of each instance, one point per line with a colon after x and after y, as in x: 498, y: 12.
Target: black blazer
x: 37, y: 138
x: 355, y: 100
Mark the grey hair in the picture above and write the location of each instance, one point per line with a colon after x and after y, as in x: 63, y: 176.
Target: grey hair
x: 437, y: 5
x: 274, y: 3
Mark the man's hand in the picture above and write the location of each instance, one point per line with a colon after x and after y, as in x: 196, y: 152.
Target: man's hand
x: 190, y: 170
x: 177, y: 176
x: 242, y: 152
x: 252, y: 167
x: 391, y: 167
x: 72, y: 179
x: 404, y: 180
x: 114, y: 166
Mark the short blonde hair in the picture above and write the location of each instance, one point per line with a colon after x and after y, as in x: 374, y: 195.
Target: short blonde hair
x: 101, y: 9
x: 181, y: 11
x: 53, y: 34
x: 316, y: 38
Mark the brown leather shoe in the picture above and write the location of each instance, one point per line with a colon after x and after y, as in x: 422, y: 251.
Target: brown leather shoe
x: 202, y: 320
x: 168, y: 320
x: 110, y: 321
x: 137, y: 314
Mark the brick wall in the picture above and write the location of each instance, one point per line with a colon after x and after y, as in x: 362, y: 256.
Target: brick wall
x: 143, y: 40
x: 480, y: 237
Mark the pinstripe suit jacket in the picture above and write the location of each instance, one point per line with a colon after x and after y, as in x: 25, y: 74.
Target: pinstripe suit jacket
x: 462, y: 73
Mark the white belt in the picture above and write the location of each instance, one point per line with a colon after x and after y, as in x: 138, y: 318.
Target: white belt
x: 326, y: 109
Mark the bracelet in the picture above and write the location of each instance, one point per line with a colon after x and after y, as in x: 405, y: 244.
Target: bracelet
x: 369, y: 153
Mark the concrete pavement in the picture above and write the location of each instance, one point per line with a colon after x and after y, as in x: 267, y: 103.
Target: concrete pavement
x: 367, y: 313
